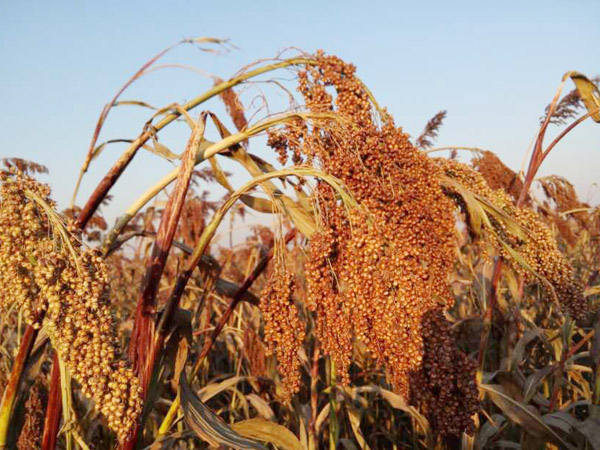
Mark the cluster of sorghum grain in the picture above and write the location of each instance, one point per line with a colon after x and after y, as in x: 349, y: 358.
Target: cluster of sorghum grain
x: 538, y: 248
x: 333, y: 319
x: 561, y: 197
x: 60, y: 285
x: 373, y: 273
x: 450, y: 393
x: 255, y: 353
x: 497, y: 175
x: 30, y: 437
x: 284, y: 332
x: 562, y: 193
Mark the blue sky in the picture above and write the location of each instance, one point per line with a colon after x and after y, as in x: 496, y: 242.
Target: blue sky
x: 493, y: 65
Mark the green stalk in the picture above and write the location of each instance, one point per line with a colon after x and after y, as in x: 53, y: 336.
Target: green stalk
x: 333, y: 422
x: 67, y: 402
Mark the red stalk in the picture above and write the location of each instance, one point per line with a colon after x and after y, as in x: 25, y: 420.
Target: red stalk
x: 12, y: 389
x: 142, y: 348
x: 54, y: 409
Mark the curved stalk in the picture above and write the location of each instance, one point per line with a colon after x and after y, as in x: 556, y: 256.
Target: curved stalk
x: 537, y: 157
x: 117, y: 169
x: 108, y: 107
x: 208, y: 344
x: 205, y: 153
x: 566, y: 131
x: 209, y: 232
x: 141, y: 351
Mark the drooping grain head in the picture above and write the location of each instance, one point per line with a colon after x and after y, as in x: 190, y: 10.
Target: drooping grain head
x: 539, y: 248
x: 62, y: 286
x: 497, y: 175
x: 284, y: 332
x: 233, y: 106
x: 375, y: 273
x: 445, y: 387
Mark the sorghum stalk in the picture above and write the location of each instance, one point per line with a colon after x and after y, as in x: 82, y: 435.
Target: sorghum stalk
x: 143, y: 347
x: 53, y: 411
x: 12, y: 389
x: 236, y: 299
x: 119, y: 167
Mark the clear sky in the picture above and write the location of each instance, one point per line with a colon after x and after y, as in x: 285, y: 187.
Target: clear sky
x: 493, y: 65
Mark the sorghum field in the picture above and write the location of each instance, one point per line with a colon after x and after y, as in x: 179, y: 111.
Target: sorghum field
x: 405, y: 296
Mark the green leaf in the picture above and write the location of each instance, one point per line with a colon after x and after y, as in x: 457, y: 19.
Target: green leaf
x: 398, y: 402
x: 488, y: 431
x: 590, y: 428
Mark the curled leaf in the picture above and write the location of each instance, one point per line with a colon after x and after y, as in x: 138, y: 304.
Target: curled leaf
x: 588, y: 92
x: 207, y: 425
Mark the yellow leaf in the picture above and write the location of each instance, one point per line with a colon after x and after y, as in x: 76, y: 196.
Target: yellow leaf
x: 589, y: 93
x: 266, y: 431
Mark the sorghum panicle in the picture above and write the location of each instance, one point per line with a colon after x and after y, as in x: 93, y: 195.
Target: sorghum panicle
x: 539, y: 248
x: 284, y: 331
x: 30, y: 437
x: 377, y: 272
x: 63, y: 286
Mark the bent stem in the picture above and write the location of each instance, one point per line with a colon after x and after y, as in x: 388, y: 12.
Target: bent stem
x: 142, y: 348
x: 108, y: 107
x: 538, y: 155
x: 206, y: 152
x: 236, y: 299
x: 117, y: 169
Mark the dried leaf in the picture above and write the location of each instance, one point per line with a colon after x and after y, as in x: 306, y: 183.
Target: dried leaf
x: 168, y: 442
x: 259, y: 204
x: 266, y: 431
x: 209, y: 391
x: 261, y: 406
x: 322, y: 416
x: 589, y: 93
x: 161, y: 150
x: 524, y: 415
x: 229, y: 289
x: 207, y: 425
x: 354, y: 417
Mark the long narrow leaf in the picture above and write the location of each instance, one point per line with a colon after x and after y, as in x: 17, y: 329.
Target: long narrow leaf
x: 207, y: 425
